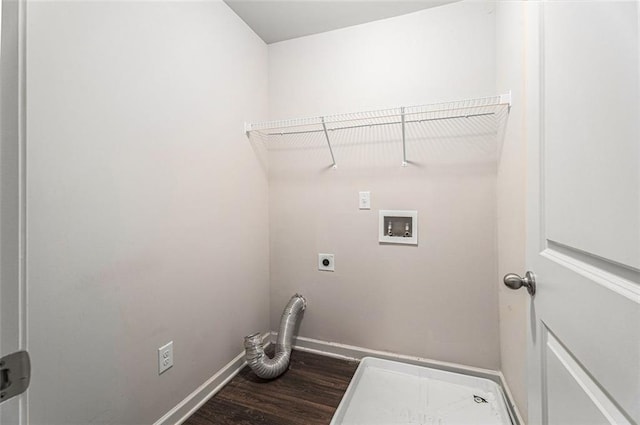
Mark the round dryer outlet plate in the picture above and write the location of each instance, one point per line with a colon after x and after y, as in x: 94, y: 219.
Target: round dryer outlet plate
x: 326, y: 262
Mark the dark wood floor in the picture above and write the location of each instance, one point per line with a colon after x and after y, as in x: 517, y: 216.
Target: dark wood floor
x: 308, y: 393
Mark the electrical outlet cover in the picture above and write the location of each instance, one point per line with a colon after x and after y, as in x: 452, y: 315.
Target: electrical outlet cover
x: 165, y: 357
x: 326, y: 262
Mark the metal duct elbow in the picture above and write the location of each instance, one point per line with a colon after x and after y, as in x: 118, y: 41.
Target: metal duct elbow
x: 258, y: 361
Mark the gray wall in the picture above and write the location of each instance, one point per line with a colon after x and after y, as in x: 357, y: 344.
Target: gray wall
x: 147, y: 208
x: 437, y: 300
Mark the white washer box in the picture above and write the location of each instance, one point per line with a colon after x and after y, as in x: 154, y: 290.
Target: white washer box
x: 398, y: 226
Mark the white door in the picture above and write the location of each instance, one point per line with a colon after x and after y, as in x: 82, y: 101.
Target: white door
x: 12, y: 301
x: 583, y: 224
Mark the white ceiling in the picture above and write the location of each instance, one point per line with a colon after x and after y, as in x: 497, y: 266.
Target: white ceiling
x: 282, y: 20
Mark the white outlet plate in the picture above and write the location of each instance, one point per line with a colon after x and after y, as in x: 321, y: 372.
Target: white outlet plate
x: 165, y: 357
x: 326, y: 262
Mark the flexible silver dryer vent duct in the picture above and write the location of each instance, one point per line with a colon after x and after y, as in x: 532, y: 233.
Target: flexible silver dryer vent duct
x: 257, y: 360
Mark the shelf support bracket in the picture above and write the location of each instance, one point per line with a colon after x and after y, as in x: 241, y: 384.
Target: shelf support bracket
x: 506, y: 99
x: 326, y: 135
x: 404, y: 142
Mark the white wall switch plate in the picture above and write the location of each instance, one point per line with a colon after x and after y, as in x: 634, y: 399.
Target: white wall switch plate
x: 165, y: 357
x: 364, y: 200
x: 326, y: 262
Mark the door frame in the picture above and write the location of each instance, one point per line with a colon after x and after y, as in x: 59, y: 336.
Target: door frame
x: 534, y: 130
x: 13, y: 289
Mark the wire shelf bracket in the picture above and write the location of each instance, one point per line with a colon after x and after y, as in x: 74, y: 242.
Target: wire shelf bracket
x: 404, y: 140
x: 326, y: 135
x: 505, y: 99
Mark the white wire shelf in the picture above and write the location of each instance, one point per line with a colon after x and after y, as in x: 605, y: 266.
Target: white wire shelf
x: 401, y: 117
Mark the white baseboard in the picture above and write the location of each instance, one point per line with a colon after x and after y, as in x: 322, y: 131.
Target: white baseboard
x: 204, y: 392
x: 511, y: 402
x: 351, y: 352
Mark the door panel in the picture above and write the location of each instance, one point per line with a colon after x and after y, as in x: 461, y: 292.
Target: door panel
x: 595, y: 323
x: 572, y: 396
x: 583, y: 224
x: 591, y: 125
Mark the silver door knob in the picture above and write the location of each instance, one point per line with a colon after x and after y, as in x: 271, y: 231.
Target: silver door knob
x: 513, y: 281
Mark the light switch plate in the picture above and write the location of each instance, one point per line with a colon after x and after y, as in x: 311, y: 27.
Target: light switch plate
x: 165, y: 357
x: 364, y: 200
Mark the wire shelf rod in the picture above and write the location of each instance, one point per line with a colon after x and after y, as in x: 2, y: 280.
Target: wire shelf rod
x: 287, y: 133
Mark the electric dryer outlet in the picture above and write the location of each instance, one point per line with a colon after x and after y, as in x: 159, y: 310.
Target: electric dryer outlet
x: 326, y: 262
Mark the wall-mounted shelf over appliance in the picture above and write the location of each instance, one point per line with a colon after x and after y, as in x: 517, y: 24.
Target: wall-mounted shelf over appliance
x: 402, y: 118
